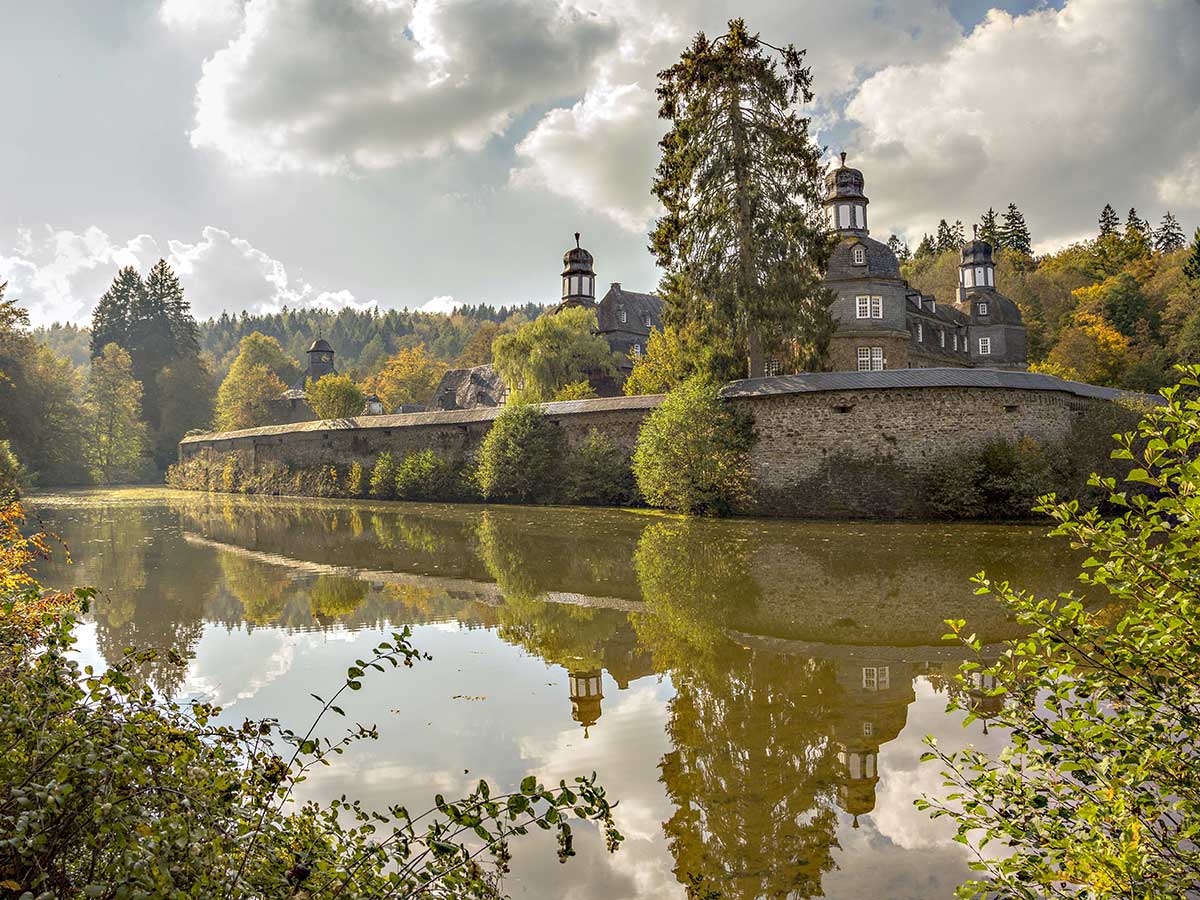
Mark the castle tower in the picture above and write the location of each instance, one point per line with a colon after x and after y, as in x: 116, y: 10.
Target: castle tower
x: 320, y: 360
x: 845, y: 202
x: 587, y: 691
x: 578, y: 277
x: 996, y: 332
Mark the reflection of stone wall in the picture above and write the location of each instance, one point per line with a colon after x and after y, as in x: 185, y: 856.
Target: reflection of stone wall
x: 861, y: 453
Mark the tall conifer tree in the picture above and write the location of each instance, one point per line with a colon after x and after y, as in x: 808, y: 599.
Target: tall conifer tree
x: 927, y: 247
x: 110, y: 318
x: 989, y: 229
x: 1169, y: 236
x: 1108, y: 221
x: 1191, y: 268
x: 743, y: 240
x: 1014, y: 233
x: 945, y: 237
x: 959, y: 233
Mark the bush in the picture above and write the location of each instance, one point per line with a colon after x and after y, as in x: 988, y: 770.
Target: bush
x: 1097, y: 794
x: 520, y: 460
x: 425, y: 476
x: 354, y: 480
x: 598, y: 473
x: 383, y: 477
x: 693, y: 452
x: 122, y: 793
x: 12, y: 473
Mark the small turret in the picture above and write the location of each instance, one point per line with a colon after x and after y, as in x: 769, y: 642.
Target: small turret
x: 976, y: 270
x: 578, y: 277
x: 587, y: 690
x: 845, y: 201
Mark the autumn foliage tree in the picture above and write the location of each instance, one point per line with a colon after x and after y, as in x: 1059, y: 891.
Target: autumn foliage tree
x: 113, y: 404
x: 558, y: 349
x: 409, y: 376
x: 335, y: 397
x: 252, y: 382
x: 742, y: 241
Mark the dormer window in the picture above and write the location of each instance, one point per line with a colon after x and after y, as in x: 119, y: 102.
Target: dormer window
x: 942, y: 339
x: 623, y: 316
x: 646, y: 320
x: 860, y: 255
x: 920, y: 333
x: 983, y: 309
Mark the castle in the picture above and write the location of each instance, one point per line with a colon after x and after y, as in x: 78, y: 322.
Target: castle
x: 882, y: 321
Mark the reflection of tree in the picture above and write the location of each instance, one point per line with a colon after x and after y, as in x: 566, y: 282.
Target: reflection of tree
x: 752, y: 774
x: 752, y: 770
x: 262, y: 589
x: 336, y: 595
x: 695, y: 583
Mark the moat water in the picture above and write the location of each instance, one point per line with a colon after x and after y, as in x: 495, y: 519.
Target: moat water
x: 754, y: 692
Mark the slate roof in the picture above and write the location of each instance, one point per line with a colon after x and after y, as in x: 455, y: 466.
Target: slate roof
x: 473, y: 387
x: 636, y: 306
x: 441, y: 417
x: 881, y: 261
x: 320, y: 345
x: 813, y: 382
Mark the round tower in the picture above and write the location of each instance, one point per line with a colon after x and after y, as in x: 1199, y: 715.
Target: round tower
x: 845, y: 201
x: 578, y: 277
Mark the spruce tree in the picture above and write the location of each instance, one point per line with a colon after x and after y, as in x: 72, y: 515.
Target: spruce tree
x: 1191, y: 268
x: 1014, y: 233
x: 1137, y: 235
x: 926, y: 248
x: 1169, y: 236
x: 164, y: 291
x: 960, y: 234
x: 1108, y: 221
x: 899, y: 248
x: 989, y: 229
x: 110, y: 318
x: 743, y: 241
x: 1135, y: 223
x: 945, y: 237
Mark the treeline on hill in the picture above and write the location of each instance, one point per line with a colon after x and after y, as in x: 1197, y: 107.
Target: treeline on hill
x: 1119, y: 310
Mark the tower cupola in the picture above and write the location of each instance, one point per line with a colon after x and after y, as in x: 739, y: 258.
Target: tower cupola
x: 578, y: 277
x: 976, y: 269
x: 320, y: 360
x: 845, y: 201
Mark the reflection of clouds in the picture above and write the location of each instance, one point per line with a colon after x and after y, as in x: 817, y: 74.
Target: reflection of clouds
x: 233, y: 666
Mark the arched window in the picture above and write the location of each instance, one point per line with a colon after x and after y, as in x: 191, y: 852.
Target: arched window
x: 860, y: 256
x: 860, y: 216
x: 844, y: 215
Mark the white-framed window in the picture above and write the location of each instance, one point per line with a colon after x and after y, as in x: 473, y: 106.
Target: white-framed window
x: 964, y: 277
x: 844, y: 215
x: 955, y: 338
x: 862, y: 307
x: 985, y: 346
x: 860, y: 256
x: 646, y: 320
x: 636, y: 350
x: 772, y: 368
x: 965, y: 343
x: 860, y: 216
x: 623, y: 316
x: 870, y: 359
x: 920, y: 333
x: 982, y: 307
x: 941, y: 338
x: 868, y: 729
x: 979, y: 276
x: 991, y: 277
x: 876, y: 678
x: 876, y: 307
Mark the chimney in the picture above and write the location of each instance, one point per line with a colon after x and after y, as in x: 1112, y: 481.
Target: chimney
x: 616, y: 286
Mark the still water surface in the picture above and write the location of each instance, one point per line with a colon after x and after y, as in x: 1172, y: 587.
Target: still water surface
x: 754, y: 692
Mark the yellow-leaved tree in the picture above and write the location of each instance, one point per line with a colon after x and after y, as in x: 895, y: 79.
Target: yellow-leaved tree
x: 251, y: 382
x: 409, y: 376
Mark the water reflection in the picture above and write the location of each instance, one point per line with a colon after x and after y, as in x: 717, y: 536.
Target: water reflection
x: 779, y: 664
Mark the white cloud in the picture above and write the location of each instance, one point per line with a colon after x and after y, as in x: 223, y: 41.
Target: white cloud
x: 200, y: 16
x: 590, y: 151
x: 58, y: 274
x: 442, y: 304
x: 1056, y: 110
x: 365, y: 84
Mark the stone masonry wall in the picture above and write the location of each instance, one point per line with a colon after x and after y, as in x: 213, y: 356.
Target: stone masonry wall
x: 854, y: 453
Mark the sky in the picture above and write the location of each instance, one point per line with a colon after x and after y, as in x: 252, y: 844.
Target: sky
x: 397, y: 154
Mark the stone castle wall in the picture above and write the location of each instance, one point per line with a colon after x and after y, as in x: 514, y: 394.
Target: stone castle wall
x: 830, y: 445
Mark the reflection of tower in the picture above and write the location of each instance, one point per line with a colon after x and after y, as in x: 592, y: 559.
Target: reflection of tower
x: 876, y: 695
x: 586, y: 694
x: 983, y: 695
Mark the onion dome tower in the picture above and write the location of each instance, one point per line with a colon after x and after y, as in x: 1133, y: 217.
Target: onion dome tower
x: 997, y: 334
x: 578, y: 277
x: 845, y: 201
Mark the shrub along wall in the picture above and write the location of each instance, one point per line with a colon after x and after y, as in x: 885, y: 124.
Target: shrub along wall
x: 897, y: 445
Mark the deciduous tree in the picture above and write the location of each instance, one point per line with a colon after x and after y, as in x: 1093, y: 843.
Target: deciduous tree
x: 554, y: 350
x: 116, y: 434
x: 335, y: 397
x: 409, y: 376
x: 742, y: 242
x: 244, y: 394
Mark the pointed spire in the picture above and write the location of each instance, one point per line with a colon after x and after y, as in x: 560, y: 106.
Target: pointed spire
x: 577, y: 239
x: 843, y: 157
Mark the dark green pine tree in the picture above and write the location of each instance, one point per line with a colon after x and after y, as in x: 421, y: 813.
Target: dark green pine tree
x: 1136, y: 224
x: 899, y: 248
x: 163, y: 291
x: 110, y: 318
x: 1014, y: 233
x: 989, y: 229
x: 1108, y: 221
x: 151, y: 347
x: 1191, y: 268
x: 743, y: 241
x: 960, y: 234
x: 945, y: 237
x: 1169, y: 236
x: 926, y: 248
